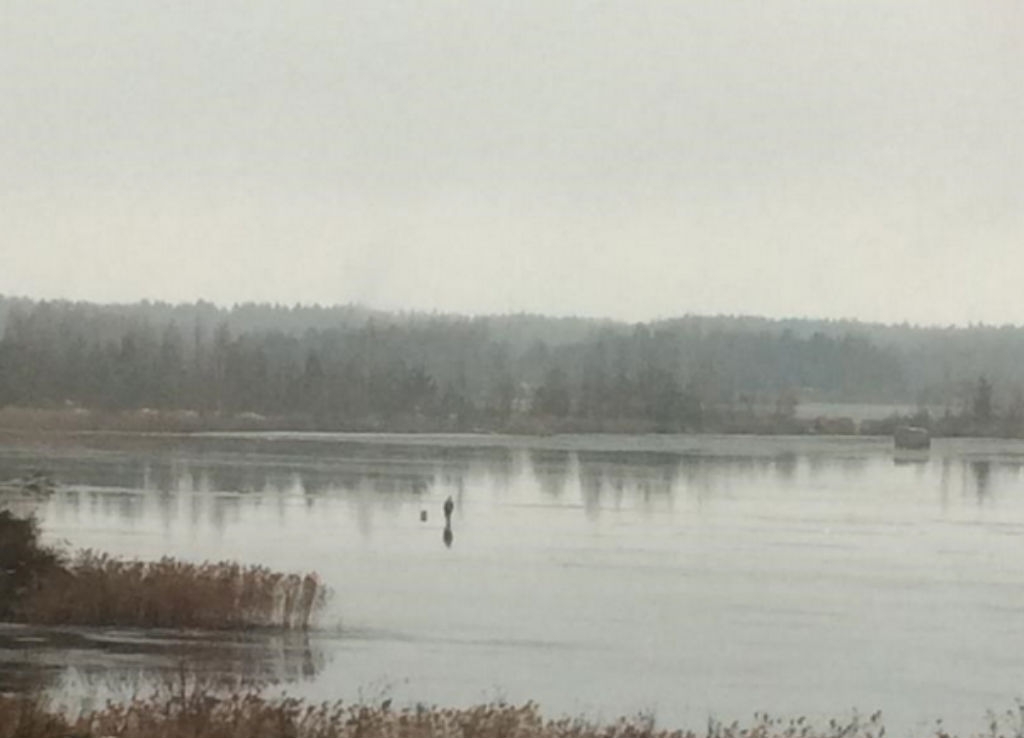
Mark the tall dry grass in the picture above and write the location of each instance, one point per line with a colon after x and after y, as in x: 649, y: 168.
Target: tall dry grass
x: 40, y: 585
x: 97, y: 589
x: 195, y: 712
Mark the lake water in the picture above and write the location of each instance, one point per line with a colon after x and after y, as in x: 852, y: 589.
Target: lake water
x: 682, y: 576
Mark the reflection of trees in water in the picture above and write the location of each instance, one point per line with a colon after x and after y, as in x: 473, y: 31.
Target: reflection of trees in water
x: 314, y: 484
x: 195, y: 508
x: 236, y: 479
x: 591, y: 484
x: 124, y: 472
x: 69, y: 501
x: 945, y: 474
x: 551, y: 468
x: 653, y: 476
x: 112, y: 471
x: 979, y: 477
x: 196, y: 477
x: 225, y: 509
x: 382, y: 478
x: 387, y: 482
x: 161, y: 477
x: 376, y: 496
x: 246, y: 467
x: 981, y: 471
x: 648, y: 475
x: 167, y: 508
x: 364, y: 513
x: 128, y: 506
x: 244, y: 478
x: 310, y: 482
x: 850, y: 467
x: 785, y: 465
x: 499, y: 464
x: 702, y: 474
x: 217, y: 493
x: 455, y: 466
x: 982, y: 477
x: 706, y: 474
x: 281, y: 482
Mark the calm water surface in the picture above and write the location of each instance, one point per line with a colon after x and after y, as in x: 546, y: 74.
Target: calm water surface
x: 685, y: 576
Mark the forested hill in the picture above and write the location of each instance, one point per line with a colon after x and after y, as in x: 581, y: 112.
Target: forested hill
x: 352, y: 367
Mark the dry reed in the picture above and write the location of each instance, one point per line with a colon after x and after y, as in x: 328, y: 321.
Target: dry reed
x: 97, y: 589
x: 194, y: 711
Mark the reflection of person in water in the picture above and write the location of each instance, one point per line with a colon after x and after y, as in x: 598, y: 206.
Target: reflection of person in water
x: 449, y: 508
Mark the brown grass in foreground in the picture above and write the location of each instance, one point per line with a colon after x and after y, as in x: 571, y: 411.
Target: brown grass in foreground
x: 195, y: 712
x: 97, y: 589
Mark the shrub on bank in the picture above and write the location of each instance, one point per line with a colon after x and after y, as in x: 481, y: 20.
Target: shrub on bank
x: 24, y: 563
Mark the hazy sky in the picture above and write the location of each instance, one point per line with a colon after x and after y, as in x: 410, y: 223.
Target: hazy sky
x: 635, y: 159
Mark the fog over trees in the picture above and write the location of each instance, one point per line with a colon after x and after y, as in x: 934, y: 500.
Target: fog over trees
x: 350, y: 367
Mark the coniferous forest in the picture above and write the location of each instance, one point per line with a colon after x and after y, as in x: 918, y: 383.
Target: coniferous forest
x: 352, y: 368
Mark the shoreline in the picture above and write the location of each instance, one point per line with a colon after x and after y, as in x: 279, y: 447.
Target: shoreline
x: 27, y: 420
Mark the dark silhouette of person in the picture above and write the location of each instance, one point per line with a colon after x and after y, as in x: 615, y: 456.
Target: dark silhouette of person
x: 448, y: 536
x: 449, y: 507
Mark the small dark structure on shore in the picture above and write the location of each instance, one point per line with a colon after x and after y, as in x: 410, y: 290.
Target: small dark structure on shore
x: 911, y: 437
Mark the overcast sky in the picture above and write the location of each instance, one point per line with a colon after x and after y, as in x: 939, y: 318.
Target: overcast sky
x: 621, y: 158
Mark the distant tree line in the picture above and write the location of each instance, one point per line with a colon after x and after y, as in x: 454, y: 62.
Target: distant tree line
x: 352, y: 368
